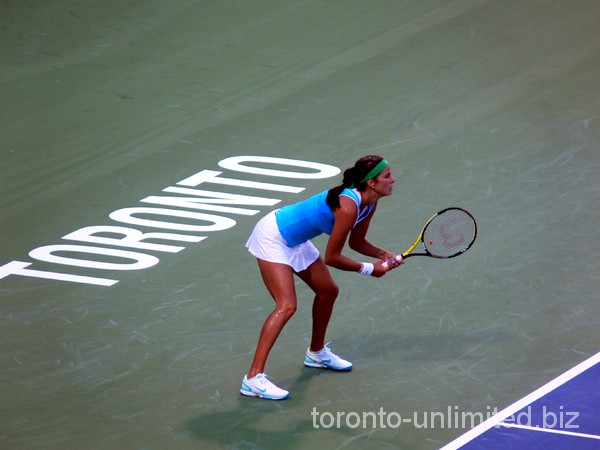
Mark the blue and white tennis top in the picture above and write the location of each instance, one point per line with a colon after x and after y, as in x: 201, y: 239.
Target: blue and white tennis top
x: 312, y: 217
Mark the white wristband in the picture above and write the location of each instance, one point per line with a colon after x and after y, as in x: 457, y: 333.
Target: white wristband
x: 366, y: 268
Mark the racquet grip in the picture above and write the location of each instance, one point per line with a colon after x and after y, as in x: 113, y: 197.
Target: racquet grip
x: 399, y: 258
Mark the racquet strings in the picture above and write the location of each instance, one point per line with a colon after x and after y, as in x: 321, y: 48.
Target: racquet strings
x: 449, y: 233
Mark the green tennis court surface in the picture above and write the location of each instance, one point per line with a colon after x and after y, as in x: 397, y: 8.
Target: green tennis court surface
x: 107, y: 106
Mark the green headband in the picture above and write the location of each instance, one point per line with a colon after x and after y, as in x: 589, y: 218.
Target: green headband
x: 375, y: 170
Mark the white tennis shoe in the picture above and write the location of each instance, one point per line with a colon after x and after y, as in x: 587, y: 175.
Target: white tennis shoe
x: 326, y: 359
x: 259, y: 386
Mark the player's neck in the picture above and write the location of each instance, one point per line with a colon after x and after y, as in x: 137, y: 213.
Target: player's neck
x: 369, y: 196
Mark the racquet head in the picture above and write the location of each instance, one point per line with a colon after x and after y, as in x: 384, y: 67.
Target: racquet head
x: 449, y: 233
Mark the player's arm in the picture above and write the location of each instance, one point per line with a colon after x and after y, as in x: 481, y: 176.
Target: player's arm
x: 358, y: 240
x: 345, y: 217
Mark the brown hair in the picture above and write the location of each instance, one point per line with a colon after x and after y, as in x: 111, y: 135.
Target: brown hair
x: 352, y: 178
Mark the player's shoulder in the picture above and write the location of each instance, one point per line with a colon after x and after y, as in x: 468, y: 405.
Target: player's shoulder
x: 348, y: 207
x: 351, y: 193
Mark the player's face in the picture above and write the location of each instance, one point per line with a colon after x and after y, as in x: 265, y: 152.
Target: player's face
x: 384, y: 182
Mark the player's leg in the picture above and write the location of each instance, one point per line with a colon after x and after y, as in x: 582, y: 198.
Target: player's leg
x: 319, y: 279
x: 279, y: 280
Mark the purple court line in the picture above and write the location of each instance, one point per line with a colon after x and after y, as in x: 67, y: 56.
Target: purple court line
x: 498, y: 418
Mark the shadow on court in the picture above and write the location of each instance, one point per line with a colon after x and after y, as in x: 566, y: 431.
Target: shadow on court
x: 255, y: 423
x: 244, y: 426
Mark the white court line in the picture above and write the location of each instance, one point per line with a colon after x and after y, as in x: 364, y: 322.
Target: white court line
x: 549, y: 430
x: 511, y: 410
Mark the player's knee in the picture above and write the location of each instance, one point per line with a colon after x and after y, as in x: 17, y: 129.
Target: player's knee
x: 330, y: 293
x: 335, y: 290
x: 287, y: 310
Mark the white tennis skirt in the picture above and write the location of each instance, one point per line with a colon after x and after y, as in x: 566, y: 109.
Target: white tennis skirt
x: 267, y: 243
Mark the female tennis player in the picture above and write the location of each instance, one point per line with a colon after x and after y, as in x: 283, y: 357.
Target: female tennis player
x: 281, y: 243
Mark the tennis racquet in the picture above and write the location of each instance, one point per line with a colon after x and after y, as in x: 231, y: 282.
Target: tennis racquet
x: 449, y: 233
